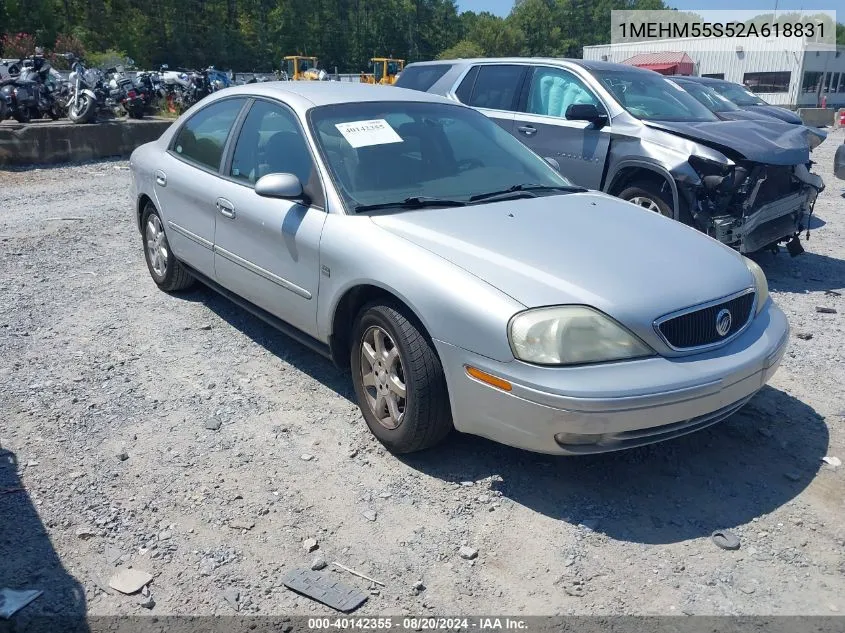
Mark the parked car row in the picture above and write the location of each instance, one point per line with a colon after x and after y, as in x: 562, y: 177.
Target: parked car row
x: 464, y: 280
x: 678, y: 147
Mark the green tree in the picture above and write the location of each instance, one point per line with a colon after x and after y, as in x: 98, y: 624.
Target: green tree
x: 465, y: 49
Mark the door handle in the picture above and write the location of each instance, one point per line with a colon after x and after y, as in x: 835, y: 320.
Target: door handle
x: 528, y: 130
x: 226, y: 208
x: 161, y: 178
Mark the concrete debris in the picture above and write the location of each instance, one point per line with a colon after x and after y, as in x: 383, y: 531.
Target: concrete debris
x: 129, y: 581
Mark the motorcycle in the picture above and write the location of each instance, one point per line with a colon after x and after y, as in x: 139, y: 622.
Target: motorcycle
x: 87, y: 93
x: 32, y: 90
x: 186, y: 87
x: 122, y: 91
x: 151, y: 89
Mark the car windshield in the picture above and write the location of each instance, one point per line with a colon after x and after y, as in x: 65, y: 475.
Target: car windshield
x: 738, y: 94
x: 650, y: 97
x: 389, y: 153
x: 708, y: 97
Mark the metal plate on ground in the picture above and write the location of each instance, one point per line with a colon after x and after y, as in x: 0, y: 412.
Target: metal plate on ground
x: 323, y: 588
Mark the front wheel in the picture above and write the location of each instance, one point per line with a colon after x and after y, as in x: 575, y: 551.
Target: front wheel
x: 398, y: 380
x: 649, y: 196
x: 167, y: 272
x: 82, y: 109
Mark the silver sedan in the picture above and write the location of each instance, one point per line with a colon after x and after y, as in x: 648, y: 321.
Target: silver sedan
x: 461, y: 278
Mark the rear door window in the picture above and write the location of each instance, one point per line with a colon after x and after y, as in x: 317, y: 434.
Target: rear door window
x: 421, y: 77
x: 203, y: 137
x: 496, y: 86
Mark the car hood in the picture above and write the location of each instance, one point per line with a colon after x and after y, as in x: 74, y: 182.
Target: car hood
x: 752, y: 140
x: 776, y: 112
x: 585, y: 248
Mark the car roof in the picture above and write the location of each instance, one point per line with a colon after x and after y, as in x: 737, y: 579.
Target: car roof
x: 704, y: 80
x: 306, y: 94
x: 583, y: 63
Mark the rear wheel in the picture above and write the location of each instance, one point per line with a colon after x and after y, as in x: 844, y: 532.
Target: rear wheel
x: 21, y: 115
x: 398, y: 380
x: 167, y: 271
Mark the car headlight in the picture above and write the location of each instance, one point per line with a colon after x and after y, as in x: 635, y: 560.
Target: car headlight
x: 571, y: 335
x: 760, y: 283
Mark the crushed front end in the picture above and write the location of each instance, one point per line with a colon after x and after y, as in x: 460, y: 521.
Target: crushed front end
x: 751, y: 206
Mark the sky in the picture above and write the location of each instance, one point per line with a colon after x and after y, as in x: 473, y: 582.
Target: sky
x: 503, y: 7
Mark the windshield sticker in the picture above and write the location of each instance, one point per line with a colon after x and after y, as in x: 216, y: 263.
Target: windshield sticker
x: 366, y: 133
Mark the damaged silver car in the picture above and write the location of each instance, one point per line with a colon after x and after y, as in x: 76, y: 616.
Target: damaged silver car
x: 635, y: 134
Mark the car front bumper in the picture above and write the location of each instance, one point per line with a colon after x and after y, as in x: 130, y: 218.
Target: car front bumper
x: 612, y: 406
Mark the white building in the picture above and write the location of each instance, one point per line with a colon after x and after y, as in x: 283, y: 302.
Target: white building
x: 783, y: 71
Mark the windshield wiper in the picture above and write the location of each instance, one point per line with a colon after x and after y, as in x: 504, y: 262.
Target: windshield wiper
x: 414, y: 202
x: 524, y: 189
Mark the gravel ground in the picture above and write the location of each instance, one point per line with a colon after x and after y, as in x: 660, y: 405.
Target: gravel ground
x: 182, y: 437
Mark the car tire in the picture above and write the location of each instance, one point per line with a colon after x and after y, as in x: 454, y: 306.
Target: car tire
x: 167, y: 272
x: 404, y: 361
x: 649, y: 196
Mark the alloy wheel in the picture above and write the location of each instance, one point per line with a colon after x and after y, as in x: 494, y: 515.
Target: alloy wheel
x: 156, y: 246
x: 383, y: 378
x: 645, y: 203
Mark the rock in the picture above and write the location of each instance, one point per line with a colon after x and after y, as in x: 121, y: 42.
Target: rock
x: 370, y: 515
x: 352, y: 454
x: 468, y: 553
x: 725, y: 539
x: 746, y: 588
x: 591, y: 525
x: 833, y: 462
x: 575, y: 588
x: 165, y: 535
x: 232, y: 596
x: 418, y: 586
x: 113, y: 554
x: 75, y: 475
x: 85, y: 533
x: 241, y: 523
x: 122, y: 456
x: 467, y: 484
x: 792, y: 476
x: 147, y: 602
x: 205, y: 327
x: 310, y: 544
x: 129, y: 581
x: 207, y: 566
x: 319, y: 563
x: 804, y: 336
x: 306, y: 457
x: 212, y: 424
x: 825, y: 310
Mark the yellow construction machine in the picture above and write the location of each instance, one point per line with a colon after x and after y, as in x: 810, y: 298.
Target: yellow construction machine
x: 299, y: 68
x: 385, y: 70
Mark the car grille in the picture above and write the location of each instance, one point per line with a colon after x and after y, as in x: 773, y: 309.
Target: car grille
x: 697, y: 328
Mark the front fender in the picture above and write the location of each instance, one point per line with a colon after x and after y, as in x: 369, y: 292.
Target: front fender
x: 649, y: 165
x: 89, y: 93
x: 454, y: 306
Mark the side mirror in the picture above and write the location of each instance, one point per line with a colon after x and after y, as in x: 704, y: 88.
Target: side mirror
x: 285, y: 186
x: 553, y: 162
x: 165, y: 67
x: 586, y: 112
